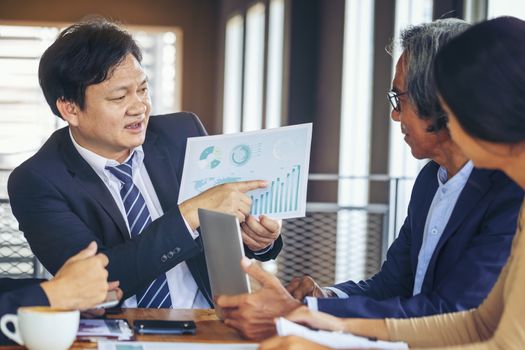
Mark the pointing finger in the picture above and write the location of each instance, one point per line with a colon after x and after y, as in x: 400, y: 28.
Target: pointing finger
x: 245, y: 186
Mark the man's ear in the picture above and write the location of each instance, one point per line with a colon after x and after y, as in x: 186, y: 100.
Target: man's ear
x: 68, y: 110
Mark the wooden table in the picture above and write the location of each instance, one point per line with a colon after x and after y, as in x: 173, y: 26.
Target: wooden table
x: 209, y: 328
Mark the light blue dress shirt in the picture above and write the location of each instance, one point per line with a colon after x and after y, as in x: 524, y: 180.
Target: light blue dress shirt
x: 438, y: 216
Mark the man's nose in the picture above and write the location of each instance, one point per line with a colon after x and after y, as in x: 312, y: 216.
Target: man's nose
x: 137, y: 107
x: 395, y: 115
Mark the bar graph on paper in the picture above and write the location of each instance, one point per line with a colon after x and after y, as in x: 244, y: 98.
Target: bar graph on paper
x: 281, y: 196
x: 278, y: 156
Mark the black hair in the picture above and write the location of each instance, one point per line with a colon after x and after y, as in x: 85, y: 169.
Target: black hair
x: 481, y: 76
x: 83, y: 54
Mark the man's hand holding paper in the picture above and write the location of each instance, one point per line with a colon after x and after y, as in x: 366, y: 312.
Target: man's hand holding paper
x: 280, y: 157
x: 259, y: 234
x: 227, y: 198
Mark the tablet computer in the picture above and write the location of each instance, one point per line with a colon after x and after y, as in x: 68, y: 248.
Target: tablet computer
x: 223, y: 248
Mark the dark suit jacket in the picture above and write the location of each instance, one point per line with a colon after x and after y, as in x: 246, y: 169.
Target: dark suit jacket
x: 17, y: 293
x: 465, y: 265
x: 61, y: 205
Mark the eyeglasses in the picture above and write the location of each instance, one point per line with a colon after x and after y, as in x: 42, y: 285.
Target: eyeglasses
x: 393, y: 97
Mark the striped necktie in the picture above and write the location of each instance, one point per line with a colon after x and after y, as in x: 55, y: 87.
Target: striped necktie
x: 157, y: 294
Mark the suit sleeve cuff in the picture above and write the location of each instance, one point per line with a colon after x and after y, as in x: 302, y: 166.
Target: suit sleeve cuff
x: 194, y: 233
x: 264, y: 250
x: 338, y: 292
x: 41, y: 297
x: 311, y: 303
x: 32, y: 295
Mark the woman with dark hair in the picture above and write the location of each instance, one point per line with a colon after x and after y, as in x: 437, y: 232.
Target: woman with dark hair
x: 481, y: 79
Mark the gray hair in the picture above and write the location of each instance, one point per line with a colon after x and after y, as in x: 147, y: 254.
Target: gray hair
x: 420, y: 45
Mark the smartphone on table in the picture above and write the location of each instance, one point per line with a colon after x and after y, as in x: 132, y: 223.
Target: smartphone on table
x: 164, y: 327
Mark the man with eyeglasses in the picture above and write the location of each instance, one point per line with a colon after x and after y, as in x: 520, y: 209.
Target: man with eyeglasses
x: 456, y: 236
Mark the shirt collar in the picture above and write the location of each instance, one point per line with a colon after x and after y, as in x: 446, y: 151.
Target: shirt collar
x: 99, y: 163
x: 458, y: 180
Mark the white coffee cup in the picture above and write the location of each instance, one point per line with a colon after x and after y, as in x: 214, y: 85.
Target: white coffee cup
x: 42, y: 327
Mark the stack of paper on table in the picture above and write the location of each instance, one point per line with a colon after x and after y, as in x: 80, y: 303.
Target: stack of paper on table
x: 170, y: 346
x: 334, y: 339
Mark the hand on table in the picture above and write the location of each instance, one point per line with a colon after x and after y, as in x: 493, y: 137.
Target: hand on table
x: 301, y: 287
x: 372, y: 328
x: 94, y: 313
x: 316, y: 319
x: 81, y: 283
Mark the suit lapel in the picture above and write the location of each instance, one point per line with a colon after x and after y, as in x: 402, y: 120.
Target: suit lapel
x: 478, y: 184
x: 162, y: 171
x: 420, y: 215
x: 164, y: 174
x: 91, y: 182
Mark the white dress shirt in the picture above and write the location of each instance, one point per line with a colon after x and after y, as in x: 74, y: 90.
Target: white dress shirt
x: 184, y: 291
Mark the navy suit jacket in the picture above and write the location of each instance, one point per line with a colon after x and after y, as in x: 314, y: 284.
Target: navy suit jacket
x: 61, y: 205
x: 465, y: 265
x: 17, y: 293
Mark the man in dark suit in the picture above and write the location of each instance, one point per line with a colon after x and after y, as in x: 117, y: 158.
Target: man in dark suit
x: 113, y: 176
x: 80, y: 284
x: 454, y: 241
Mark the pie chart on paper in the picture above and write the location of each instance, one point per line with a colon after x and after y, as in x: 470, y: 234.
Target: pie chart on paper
x: 210, y: 158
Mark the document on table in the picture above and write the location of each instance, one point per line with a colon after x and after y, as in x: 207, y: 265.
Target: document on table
x: 334, y: 339
x: 281, y: 156
x: 100, y: 329
x: 112, y: 345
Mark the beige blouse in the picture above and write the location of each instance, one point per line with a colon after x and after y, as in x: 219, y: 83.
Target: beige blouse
x: 498, y: 323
